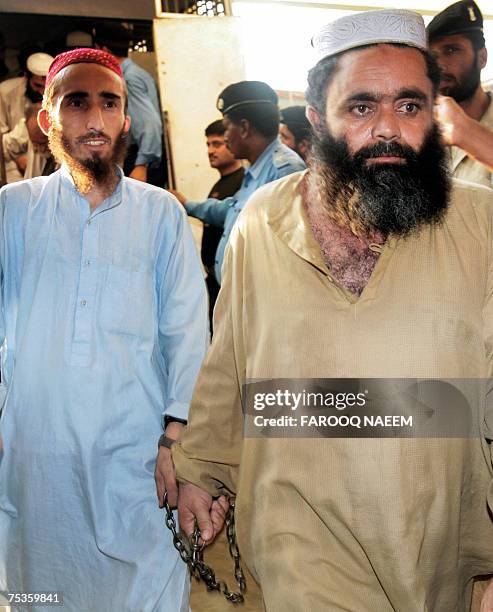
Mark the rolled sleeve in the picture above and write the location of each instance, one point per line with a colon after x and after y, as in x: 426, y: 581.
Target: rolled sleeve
x: 210, y: 211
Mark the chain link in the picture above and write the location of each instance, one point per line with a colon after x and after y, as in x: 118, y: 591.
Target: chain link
x: 191, y: 553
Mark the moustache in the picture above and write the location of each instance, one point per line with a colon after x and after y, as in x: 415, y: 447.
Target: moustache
x: 447, y: 77
x: 386, y: 149
x: 93, y: 135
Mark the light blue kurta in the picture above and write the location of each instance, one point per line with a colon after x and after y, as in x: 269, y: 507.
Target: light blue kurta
x: 105, y: 322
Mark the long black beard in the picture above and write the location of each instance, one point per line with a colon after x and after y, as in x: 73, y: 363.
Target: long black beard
x: 393, y: 199
x: 92, y: 170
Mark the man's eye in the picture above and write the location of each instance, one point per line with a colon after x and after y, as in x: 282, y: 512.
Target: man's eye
x: 360, y: 109
x: 451, y: 50
x: 110, y: 104
x: 75, y: 103
x: 410, y: 108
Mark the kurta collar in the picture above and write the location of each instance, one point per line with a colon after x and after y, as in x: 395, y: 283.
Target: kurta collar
x: 115, y: 199
x: 291, y: 225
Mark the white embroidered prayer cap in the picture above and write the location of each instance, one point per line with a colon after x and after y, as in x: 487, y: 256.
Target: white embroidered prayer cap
x: 39, y: 63
x: 368, y: 28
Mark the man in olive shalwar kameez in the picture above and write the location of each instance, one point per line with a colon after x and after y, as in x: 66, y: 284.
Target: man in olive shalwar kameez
x: 374, y: 264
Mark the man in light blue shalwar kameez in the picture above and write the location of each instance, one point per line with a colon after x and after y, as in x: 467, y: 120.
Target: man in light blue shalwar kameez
x: 105, y: 327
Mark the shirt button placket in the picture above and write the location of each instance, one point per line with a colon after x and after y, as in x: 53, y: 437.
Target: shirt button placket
x: 87, y: 293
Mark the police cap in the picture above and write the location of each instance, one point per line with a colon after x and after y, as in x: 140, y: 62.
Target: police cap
x: 458, y: 18
x: 245, y: 93
x: 294, y: 115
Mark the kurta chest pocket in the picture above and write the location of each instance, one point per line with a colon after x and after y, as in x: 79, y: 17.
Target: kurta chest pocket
x: 127, y: 300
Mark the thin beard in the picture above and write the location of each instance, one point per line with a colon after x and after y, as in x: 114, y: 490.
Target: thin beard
x: 84, y: 177
x: 467, y: 87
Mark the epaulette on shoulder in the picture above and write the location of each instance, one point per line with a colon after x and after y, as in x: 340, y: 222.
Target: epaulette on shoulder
x: 281, y: 157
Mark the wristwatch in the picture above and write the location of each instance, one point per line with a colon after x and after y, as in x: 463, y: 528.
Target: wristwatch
x: 165, y: 441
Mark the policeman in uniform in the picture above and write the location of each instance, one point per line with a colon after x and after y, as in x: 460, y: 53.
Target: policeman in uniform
x: 251, y: 118
x: 464, y: 110
x: 295, y: 130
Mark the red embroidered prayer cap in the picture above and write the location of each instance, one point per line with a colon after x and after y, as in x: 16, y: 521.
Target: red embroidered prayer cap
x: 83, y: 56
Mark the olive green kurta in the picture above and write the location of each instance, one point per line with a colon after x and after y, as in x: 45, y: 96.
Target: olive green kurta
x: 328, y: 525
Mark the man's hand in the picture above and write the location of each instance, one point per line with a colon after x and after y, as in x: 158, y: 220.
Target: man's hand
x: 195, y: 503
x: 452, y: 120
x: 487, y: 601
x: 21, y: 163
x: 139, y: 173
x: 164, y: 474
x: 464, y: 132
x: 178, y: 195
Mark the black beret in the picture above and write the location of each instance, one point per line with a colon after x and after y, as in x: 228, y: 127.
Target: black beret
x: 463, y: 16
x: 245, y: 92
x: 294, y: 115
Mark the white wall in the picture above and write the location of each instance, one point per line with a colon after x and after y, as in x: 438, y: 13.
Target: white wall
x: 197, y: 58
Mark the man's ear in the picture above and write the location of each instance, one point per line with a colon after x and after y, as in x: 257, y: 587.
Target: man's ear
x: 304, y: 146
x: 44, y: 121
x: 245, y: 128
x: 126, y: 124
x: 312, y: 116
x: 482, y: 58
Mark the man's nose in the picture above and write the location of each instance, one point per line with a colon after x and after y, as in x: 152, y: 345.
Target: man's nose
x: 441, y: 60
x: 95, y: 119
x: 386, y: 126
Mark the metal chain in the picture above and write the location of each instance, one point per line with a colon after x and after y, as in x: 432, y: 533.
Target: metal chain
x: 233, y: 547
x: 191, y: 553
